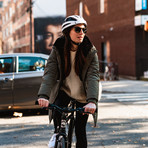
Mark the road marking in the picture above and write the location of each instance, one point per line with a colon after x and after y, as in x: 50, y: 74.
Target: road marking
x: 135, y: 98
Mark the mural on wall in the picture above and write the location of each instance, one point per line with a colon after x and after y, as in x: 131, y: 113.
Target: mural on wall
x: 47, y: 30
x: 47, y: 24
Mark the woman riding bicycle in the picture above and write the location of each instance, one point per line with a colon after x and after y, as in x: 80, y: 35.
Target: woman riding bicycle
x: 72, y: 72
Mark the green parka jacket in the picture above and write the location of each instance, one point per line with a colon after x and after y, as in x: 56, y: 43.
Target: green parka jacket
x: 54, y: 75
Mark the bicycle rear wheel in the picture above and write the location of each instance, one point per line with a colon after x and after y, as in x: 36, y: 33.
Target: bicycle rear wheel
x: 61, y: 142
x: 70, y: 132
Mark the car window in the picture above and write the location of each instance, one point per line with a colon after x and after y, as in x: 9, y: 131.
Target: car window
x: 6, y: 65
x: 31, y: 64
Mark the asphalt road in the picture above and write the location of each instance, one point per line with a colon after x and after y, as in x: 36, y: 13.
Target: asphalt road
x: 121, y: 124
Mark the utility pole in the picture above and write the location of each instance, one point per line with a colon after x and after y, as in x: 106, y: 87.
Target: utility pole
x: 30, y: 25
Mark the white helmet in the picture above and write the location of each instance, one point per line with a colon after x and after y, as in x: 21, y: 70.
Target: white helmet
x: 73, y: 20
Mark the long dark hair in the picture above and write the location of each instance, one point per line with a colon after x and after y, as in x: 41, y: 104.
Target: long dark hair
x: 80, y: 56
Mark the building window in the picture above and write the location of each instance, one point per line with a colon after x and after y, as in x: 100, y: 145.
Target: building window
x: 7, y: 33
x: 81, y: 9
x: 22, y: 2
x: 1, y: 4
x: 10, y: 28
x: 6, y: 16
x: 10, y: 12
x: 3, y: 19
x: 4, y: 34
x: 101, y: 6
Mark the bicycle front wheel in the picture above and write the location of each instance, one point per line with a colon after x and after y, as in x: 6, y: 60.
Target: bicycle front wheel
x: 61, y: 142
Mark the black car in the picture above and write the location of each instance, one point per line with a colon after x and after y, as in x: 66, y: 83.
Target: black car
x: 20, y: 79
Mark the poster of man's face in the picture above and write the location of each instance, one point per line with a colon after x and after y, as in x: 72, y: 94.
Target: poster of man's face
x: 47, y: 30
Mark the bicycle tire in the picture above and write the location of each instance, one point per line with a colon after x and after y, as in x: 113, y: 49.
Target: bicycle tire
x: 61, y: 142
x: 70, y: 132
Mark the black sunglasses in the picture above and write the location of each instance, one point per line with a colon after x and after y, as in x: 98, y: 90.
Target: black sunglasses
x: 78, y: 29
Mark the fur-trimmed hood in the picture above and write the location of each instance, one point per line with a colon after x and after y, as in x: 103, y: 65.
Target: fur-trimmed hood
x: 86, y: 45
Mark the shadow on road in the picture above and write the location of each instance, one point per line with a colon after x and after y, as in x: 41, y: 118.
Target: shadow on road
x: 32, y: 112
x: 119, y: 132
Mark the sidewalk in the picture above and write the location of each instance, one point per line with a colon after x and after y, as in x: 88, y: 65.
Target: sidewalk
x: 122, y: 125
x: 123, y: 86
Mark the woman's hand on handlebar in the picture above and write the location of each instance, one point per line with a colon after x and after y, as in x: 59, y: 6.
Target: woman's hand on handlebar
x: 90, y: 107
x: 43, y: 102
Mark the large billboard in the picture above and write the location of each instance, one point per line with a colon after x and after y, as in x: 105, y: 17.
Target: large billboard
x: 48, y: 18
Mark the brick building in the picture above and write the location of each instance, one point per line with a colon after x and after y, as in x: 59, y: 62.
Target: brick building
x: 17, y: 36
x: 1, y: 5
x: 115, y: 29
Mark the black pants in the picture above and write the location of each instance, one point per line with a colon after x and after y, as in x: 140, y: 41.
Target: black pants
x: 63, y: 100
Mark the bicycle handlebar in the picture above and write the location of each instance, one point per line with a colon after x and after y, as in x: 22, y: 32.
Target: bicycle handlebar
x: 66, y: 110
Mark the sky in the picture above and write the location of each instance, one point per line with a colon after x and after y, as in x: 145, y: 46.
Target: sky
x: 44, y: 8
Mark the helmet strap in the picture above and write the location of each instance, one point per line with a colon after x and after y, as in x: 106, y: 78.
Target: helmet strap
x: 75, y: 43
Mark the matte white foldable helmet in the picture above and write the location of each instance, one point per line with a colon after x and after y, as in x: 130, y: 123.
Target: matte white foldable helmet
x: 73, y: 20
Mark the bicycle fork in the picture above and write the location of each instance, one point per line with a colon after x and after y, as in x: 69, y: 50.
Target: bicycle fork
x: 62, y: 130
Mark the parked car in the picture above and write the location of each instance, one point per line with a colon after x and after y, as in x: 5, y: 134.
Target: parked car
x: 20, y: 79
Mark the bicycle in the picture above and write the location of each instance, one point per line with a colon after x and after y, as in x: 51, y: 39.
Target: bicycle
x: 63, y: 137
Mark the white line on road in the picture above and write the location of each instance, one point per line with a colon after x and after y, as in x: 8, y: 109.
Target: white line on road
x: 128, y: 97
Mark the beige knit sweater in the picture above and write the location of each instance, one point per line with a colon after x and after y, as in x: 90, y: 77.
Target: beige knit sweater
x: 72, y: 85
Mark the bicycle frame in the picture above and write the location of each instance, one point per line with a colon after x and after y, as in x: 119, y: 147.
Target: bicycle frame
x: 64, y: 138
x: 62, y: 131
